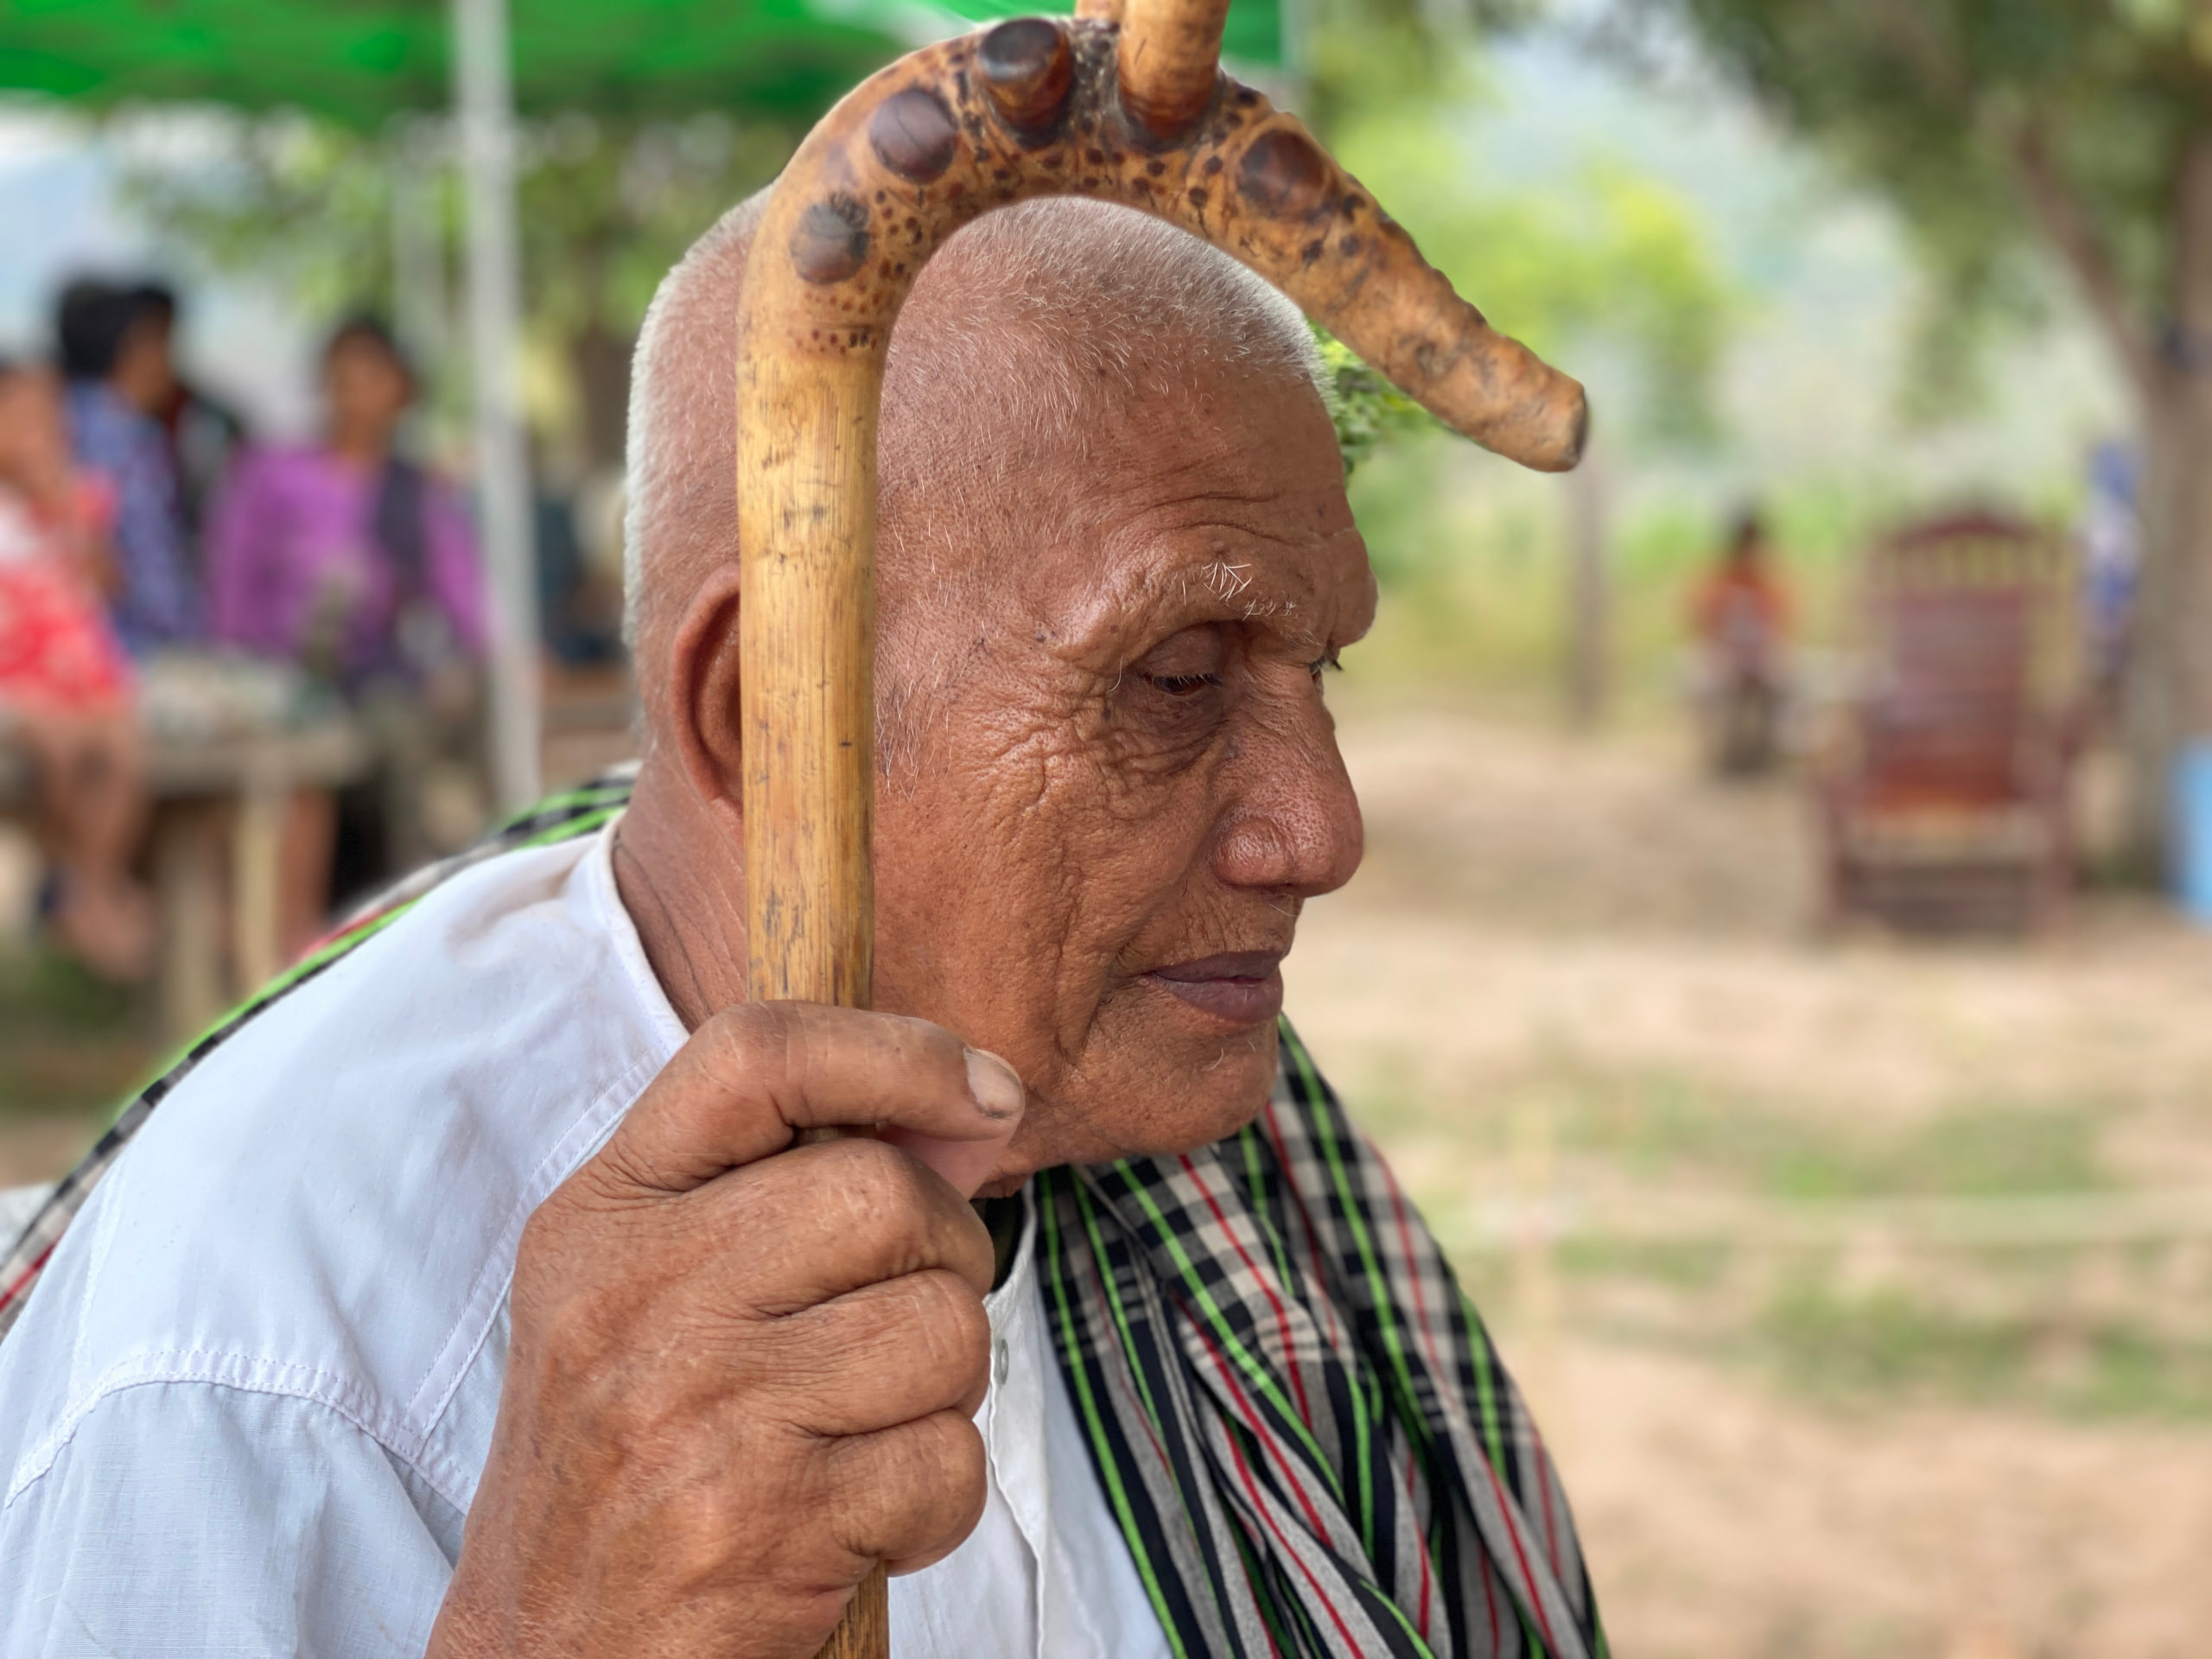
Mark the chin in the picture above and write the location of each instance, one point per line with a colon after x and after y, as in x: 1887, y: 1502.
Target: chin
x: 1152, y: 1099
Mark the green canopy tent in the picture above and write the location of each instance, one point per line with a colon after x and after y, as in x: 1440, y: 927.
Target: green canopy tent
x: 361, y: 61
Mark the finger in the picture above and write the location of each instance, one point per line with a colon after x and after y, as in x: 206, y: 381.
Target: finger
x: 754, y: 1074
x: 906, y: 1497
x: 887, y: 1354
x: 822, y: 1220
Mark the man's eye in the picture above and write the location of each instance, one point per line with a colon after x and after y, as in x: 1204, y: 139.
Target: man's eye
x: 1324, y: 664
x: 1183, y: 685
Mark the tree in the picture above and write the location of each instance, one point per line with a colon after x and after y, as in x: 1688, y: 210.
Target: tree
x: 607, y: 207
x: 1621, y: 261
x: 2006, y: 130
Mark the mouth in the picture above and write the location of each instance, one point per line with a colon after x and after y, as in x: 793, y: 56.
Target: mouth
x: 1238, y: 987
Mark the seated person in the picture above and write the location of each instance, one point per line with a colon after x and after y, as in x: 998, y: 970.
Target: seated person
x: 472, y: 1297
x: 356, y: 562
x: 116, y: 356
x: 1740, y: 617
x: 66, y: 685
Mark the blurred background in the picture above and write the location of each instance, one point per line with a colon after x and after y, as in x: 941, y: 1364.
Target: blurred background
x: 1781, y: 965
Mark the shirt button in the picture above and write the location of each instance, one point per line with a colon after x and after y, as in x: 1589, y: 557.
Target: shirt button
x: 998, y: 1361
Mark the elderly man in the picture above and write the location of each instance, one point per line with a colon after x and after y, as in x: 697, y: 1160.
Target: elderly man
x: 470, y: 1295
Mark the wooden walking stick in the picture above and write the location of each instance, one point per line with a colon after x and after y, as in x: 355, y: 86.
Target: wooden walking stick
x: 1126, y: 105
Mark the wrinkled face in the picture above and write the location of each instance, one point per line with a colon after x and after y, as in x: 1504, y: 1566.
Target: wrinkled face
x: 1122, y: 779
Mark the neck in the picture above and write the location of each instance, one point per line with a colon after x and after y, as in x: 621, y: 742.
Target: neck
x: 682, y: 877
x: 363, y: 448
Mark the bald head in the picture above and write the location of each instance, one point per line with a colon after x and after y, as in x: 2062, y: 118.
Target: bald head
x: 1031, y: 328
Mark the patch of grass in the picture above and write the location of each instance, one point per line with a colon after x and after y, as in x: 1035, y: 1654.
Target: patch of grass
x: 1687, y: 1267
x: 1892, y: 1344
x: 1665, y: 1130
x: 69, y: 1043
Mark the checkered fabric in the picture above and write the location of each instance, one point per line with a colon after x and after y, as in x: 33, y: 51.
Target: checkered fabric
x: 1295, y: 1412
x: 1292, y: 1411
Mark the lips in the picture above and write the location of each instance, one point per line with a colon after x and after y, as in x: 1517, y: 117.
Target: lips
x: 1238, y: 987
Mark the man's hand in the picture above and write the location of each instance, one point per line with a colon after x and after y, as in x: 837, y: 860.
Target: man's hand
x: 741, y: 1374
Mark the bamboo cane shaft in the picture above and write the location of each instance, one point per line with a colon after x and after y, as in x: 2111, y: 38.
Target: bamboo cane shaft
x: 807, y: 632
x: 865, y: 1630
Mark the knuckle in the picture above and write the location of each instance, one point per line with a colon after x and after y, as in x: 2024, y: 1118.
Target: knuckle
x: 944, y: 1459
x: 883, y: 1183
x: 744, y: 1041
x: 950, y: 1316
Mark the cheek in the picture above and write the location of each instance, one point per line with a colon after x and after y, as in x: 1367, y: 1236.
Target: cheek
x: 1014, y: 871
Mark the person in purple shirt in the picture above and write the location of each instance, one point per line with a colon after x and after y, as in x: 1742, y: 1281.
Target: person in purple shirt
x: 360, y: 565
x: 115, y: 354
x: 343, y: 555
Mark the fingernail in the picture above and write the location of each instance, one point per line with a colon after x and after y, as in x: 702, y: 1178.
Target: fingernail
x: 994, y: 1086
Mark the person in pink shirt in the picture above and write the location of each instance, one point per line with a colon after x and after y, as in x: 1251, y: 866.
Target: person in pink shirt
x: 360, y: 564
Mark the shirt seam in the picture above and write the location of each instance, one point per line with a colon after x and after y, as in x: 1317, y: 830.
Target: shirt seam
x: 117, y: 1381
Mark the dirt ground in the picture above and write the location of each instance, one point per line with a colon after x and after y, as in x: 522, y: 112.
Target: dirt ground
x: 1569, y: 923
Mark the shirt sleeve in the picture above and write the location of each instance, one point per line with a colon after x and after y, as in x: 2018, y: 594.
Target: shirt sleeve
x: 186, y: 1518
x: 456, y: 570
x: 156, y: 603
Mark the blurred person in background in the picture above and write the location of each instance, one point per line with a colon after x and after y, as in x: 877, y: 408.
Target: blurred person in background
x: 205, y: 435
x: 115, y: 354
x: 1739, y: 617
x: 2111, y: 534
x: 66, y: 684
x: 356, y: 562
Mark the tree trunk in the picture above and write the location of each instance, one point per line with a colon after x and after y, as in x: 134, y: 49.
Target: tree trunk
x: 2169, y: 692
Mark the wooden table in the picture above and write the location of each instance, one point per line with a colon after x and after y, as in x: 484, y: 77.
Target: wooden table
x: 217, y: 821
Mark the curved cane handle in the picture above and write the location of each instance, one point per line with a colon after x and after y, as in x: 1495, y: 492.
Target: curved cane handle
x: 1030, y: 107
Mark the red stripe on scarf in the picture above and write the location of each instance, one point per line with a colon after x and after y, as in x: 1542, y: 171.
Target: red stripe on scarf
x: 1282, y: 1318
x: 1260, y: 1507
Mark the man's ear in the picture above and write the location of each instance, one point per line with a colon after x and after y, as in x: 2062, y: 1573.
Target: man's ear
x: 703, y: 712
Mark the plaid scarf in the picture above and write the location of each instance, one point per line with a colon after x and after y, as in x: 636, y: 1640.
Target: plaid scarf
x: 1292, y: 1411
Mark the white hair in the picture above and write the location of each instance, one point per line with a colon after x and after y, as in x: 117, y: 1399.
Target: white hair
x: 1074, y: 302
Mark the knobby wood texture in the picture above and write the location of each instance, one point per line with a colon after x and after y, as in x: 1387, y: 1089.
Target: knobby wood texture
x: 1127, y: 104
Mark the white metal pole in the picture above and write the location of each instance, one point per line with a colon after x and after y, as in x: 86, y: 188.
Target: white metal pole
x: 484, y: 97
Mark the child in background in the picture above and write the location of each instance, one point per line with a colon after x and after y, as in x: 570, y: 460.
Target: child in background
x: 66, y: 685
x: 1740, y: 616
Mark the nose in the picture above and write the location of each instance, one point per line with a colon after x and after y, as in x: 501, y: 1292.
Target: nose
x: 1291, y: 824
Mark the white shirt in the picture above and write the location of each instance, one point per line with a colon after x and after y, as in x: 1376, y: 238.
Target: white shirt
x: 246, y: 1409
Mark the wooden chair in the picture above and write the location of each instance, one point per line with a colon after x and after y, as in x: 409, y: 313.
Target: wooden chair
x: 1947, y: 801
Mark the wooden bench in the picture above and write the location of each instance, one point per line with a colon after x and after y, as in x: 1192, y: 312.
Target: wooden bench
x: 219, y: 808
x: 1946, y: 799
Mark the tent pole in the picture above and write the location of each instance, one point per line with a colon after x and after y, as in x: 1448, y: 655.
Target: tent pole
x: 483, y: 100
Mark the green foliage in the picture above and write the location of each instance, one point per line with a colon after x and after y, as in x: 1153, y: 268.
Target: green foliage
x: 1997, y: 127
x: 606, y: 206
x: 1365, y: 407
x: 1616, y: 263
